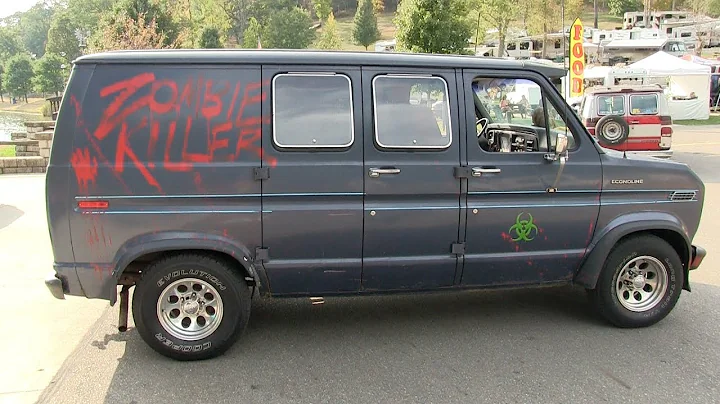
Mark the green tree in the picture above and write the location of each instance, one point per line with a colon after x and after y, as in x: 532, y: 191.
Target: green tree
x: 365, y: 30
x: 2, y: 89
x: 433, y: 26
x: 87, y: 14
x: 378, y: 6
x: 252, y: 35
x: 323, y: 9
x: 619, y: 7
x: 34, y: 27
x: 152, y: 12
x: 61, y: 37
x: 499, y: 14
x: 18, y: 75
x: 128, y: 33
x: 289, y: 29
x: 49, y: 75
x: 329, y: 38
x: 9, y: 43
x: 210, y: 38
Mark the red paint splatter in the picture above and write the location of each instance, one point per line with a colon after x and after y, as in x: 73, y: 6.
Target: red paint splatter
x: 506, y: 236
x: 225, y: 233
x: 85, y: 167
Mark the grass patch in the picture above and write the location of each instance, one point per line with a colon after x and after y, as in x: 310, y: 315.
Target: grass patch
x: 7, y: 151
x: 713, y: 120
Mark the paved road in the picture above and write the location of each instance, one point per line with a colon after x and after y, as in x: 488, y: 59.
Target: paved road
x: 511, y: 346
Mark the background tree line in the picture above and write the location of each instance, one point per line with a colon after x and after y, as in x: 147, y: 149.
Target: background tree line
x: 38, y: 46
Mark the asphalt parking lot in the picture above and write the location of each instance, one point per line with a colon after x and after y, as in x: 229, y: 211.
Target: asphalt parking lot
x: 540, y: 345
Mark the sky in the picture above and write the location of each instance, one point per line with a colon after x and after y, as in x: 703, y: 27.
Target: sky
x: 10, y: 7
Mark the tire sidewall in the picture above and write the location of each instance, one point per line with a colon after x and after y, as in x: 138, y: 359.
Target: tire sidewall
x: 612, y: 119
x: 667, y: 256
x: 145, y: 307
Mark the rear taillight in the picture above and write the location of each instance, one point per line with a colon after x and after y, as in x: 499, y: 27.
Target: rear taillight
x: 665, y: 120
x: 666, y: 131
x: 592, y: 131
x: 93, y: 205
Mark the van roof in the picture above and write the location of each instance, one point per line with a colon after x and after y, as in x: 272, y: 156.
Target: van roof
x: 629, y: 88
x: 308, y: 57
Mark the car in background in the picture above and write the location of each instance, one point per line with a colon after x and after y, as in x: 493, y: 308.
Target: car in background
x: 629, y: 118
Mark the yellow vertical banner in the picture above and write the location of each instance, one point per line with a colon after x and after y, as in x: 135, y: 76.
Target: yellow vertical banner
x: 577, y: 59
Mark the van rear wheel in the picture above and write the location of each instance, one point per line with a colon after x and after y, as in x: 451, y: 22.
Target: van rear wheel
x: 640, y: 282
x: 191, y: 307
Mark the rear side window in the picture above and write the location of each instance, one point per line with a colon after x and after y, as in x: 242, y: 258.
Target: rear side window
x: 312, y: 111
x: 643, y: 104
x: 411, y: 112
x: 611, y: 105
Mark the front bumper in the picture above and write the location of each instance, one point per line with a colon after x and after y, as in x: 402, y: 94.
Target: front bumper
x: 698, y: 253
x: 663, y: 154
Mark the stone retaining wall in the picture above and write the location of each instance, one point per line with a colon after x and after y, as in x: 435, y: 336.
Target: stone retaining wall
x: 32, y: 149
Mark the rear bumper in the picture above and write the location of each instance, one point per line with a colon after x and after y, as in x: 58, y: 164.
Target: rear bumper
x: 64, y: 281
x: 698, y: 253
x: 654, y: 153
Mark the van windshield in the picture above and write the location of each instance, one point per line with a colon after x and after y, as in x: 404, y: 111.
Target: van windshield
x: 643, y: 104
x: 611, y: 105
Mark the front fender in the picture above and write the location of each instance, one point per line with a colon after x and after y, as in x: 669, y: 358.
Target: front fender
x: 618, y: 228
x: 175, y: 240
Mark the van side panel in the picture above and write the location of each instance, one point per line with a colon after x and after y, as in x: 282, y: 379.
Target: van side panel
x: 172, y: 150
x: 58, y: 177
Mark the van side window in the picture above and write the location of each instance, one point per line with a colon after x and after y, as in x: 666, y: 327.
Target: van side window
x: 312, y: 111
x: 643, y: 104
x: 611, y: 105
x: 514, y: 115
x: 411, y: 112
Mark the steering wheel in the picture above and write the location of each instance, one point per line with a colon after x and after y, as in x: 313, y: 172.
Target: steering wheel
x: 484, y: 122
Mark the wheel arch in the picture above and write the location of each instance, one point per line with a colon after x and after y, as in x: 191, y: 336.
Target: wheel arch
x: 662, y: 225
x: 138, y: 252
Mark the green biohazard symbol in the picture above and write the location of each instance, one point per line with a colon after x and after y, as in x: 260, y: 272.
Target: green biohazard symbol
x: 524, y: 228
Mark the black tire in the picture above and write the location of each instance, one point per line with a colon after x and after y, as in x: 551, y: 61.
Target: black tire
x: 612, y: 130
x: 227, y: 283
x: 605, y: 295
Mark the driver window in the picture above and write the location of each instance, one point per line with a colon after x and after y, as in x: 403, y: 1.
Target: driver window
x: 514, y: 115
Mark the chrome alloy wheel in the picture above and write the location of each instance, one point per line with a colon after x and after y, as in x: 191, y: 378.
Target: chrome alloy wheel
x: 641, y: 284
x: 612, y: 131
x: 190, y: 309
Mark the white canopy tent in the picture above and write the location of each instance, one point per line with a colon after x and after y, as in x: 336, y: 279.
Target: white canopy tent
x: 685, y: 80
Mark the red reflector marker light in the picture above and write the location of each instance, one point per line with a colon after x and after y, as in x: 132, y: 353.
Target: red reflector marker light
x: 93, y: 204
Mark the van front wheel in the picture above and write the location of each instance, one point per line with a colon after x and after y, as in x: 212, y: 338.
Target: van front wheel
x: 191, y: 307
x: 640, y: 282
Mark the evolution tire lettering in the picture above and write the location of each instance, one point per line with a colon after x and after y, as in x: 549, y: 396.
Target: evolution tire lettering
x: 191, y: 272
x: 183, y: 348
x: 229, y: 129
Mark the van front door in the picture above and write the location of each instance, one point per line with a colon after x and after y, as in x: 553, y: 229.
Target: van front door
x: 412, y: 198
x: 524, y: 225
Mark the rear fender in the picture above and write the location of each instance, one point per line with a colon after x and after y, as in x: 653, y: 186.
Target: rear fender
x: 620, y: 227
x: 173, y: 241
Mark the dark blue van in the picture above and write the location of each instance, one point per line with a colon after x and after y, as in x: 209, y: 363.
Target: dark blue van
x: 206, y: 177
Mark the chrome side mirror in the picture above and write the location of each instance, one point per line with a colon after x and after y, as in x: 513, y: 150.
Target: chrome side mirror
x: 562, y: 145
x: 561, y: 153
x: 561, y: 149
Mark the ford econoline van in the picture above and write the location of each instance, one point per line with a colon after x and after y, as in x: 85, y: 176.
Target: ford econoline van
x: 204, y: 178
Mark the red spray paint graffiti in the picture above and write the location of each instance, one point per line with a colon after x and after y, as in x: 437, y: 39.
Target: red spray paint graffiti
x: 85, y: 168
x: 172, y: 114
